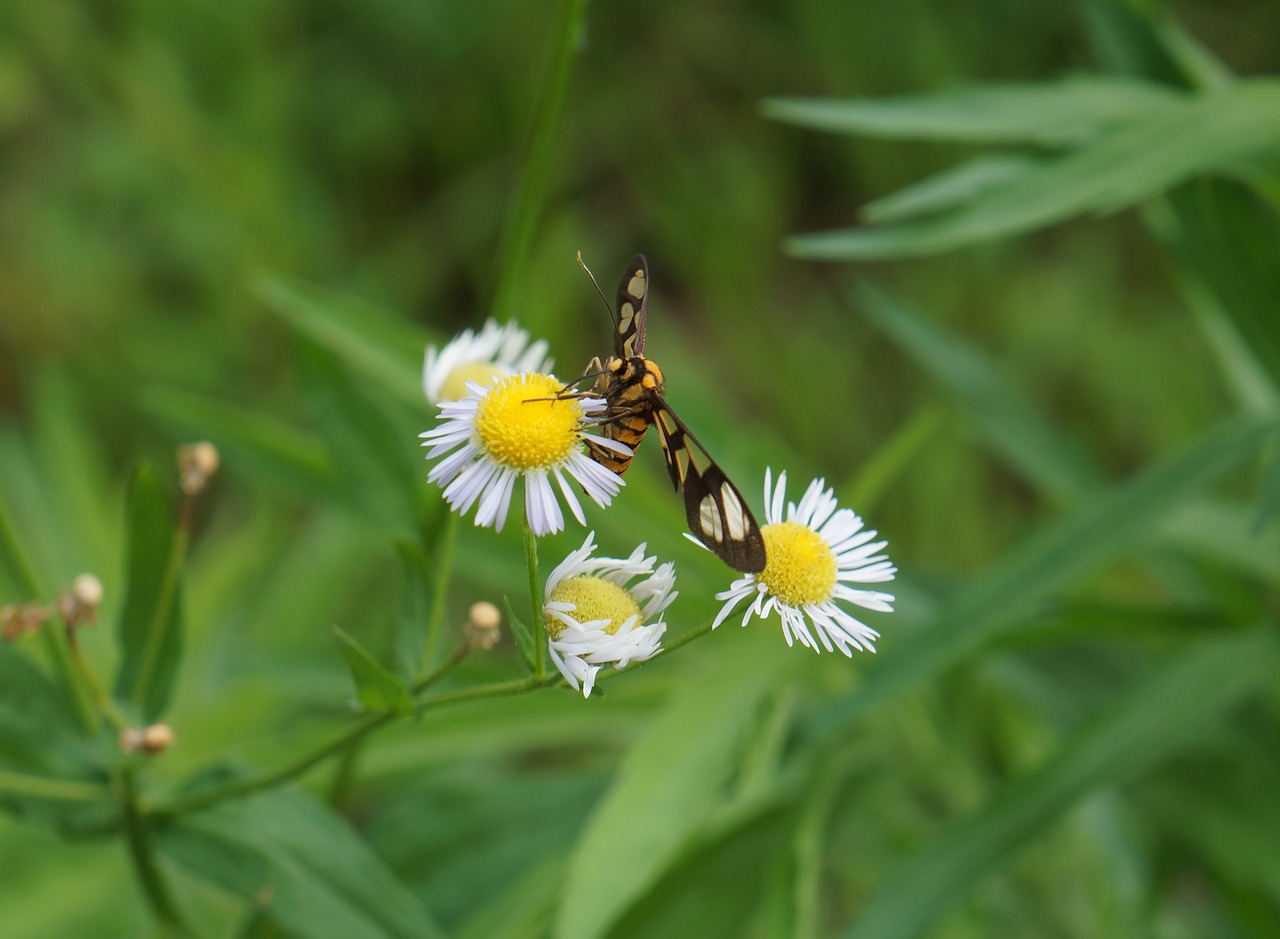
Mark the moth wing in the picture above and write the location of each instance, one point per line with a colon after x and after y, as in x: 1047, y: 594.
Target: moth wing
x: 714, y: 508
x: 633, y: 309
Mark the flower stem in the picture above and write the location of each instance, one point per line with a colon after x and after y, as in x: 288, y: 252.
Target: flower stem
x: 55, y: 790
x: 535, y: 600
x: 522, y: 215
x: 340, y: 745
x: 142, y: 853
x: 28, y: 580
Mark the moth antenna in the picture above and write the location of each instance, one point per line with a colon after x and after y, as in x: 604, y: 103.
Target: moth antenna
x: 603, y: 299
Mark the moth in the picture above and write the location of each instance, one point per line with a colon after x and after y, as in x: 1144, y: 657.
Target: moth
x: 632, y: 385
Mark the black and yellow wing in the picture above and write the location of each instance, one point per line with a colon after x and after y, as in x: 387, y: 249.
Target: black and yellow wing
x: 633, y: 309
x: 716, y: 512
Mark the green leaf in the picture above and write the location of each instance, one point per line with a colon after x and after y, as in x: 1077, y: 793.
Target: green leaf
x: 1067, y: 112
x: 301, y: 865
x: 38, y: 732
x: 1229, y: 240
x: 378, y: 688
x: 150, y: 627
x: 1161, y: 716
x: 1218, y: 131
x: 735, y: 867
x: 1026, y: 438
x: 416, y: 597
x: 669, y: 783
x: 372, y: 446
x: 523, y: 636
x: 1049, y: 562
x: 962, y: 183
x: 383, y: 348
x: 280, y: 452
x: 1268, y: 498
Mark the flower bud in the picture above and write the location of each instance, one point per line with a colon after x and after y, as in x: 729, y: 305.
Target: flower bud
x: 197, y: 462
x: 153, y: 739
x: 483, y: 620
x: 79, y: 603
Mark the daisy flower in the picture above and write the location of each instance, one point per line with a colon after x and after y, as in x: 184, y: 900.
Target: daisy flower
x: 495, y: 352
x: 815, y: 551
x: 517, y: 428
x: 593, y: 618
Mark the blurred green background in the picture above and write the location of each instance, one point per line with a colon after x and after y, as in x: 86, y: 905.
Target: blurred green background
x: 1070, y: 728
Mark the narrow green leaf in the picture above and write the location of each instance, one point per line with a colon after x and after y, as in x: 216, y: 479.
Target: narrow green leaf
x: 1268, y: 498
x: 280, y: 452
x: 150, y: 628
x: 373, y: 342
x: 416, y: 602
x: 962, y: 183
x: 378, y: 688
x: 1066, y: 112
x: 1049, y: 562
x: 1016, y: 430
x: 519, y: 909
x: 297, y: 861
x: 893, y: 457
x: 1229, y: 240
x: 1166, y: 713
x: 669, y: 783
x: 373, y: 446
x: 523, y: 636
x: 735, y: 867
x: 1218, y: 131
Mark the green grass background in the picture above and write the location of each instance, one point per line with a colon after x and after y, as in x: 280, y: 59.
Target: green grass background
x: 243, y: 221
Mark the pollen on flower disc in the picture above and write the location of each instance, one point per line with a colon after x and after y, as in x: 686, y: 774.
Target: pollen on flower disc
x: 518, y: 430
x: 801, y: 567
x: 594, y: 598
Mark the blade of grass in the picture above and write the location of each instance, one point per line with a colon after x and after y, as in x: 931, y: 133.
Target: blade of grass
x: 1068, y: 111
x: 1160, y: 717
x: 1217, y: 131
x: 526, y: 204
x: 370, y: 340
x: 1048, y: 562
x: 1025, y: 437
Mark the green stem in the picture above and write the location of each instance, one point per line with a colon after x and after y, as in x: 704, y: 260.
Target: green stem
x: 142, y: 853
x: 205, y: 798
x: 55, y: 790
x: 90, y: 684
x: 536, y: 600
x: 522, y: 216
x: 342, y: 744
x: 54, y: 640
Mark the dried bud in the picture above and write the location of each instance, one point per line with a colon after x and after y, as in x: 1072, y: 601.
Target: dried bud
x: 80, y: 603
x: 150, y: 740
x: 483, y: 620
x: 197, y: 462
x: 19, y: 619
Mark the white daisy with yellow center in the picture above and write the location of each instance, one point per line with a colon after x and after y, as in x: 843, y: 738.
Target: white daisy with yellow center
x: 594, y: 618
x: 518, y: 428
x: 815, y: 551
x: 495, y: 352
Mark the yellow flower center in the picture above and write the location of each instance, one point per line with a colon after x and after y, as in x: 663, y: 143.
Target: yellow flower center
x: 520, y: 431
x: 801, y: 567
x: 594, y: 598
x: 454, y: 387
